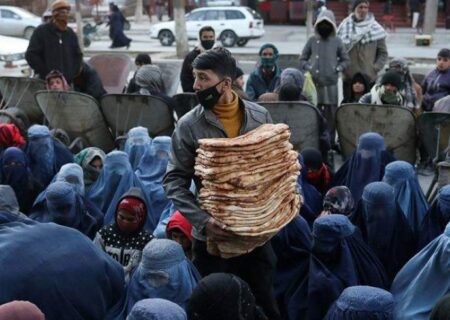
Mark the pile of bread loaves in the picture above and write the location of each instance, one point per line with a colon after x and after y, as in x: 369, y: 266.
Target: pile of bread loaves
x: 249, y: 184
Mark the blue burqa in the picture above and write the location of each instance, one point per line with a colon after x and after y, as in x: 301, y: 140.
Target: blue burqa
x: 138, y: 144
x: 292, y: 245
x: 64, y: 206
x: 9, y: 207
x: 60, y: 271
x: 424, y: 280
x: 116, y: 178
x: 408, y: 193
x: 340, y: 259
x: 366, y: 165
x: 46, y: 155
x: 312, y: 205
x: 156, y: 309
x: 384, y: 227
x: 436, y: 218
x: 164, y: 272
x: 151, y: 171
x: 362, y: 303
x: 16, y: 173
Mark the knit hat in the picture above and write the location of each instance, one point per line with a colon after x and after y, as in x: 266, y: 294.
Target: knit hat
x: 393, y: 78
x: 269, y: 45
x: 357, y: 3
x: 239, y: 72
x: 60, y: 4
x: 444, y: 53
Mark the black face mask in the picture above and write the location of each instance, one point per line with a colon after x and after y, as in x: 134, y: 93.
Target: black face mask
x: 324, y: 29
x: 208, y: 97
x: 207, y: 44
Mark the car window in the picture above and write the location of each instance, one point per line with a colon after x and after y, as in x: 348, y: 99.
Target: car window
x: 254, y: 14
x: 196, y: 16
x: 234, y: 15
x: 212, y: 15
x: 8, y: 14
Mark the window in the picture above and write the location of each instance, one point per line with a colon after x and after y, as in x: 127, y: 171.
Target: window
x: 7, y: 14
x: 254, y: 14
x: 234, y: 15
x: 212, y: 15
x: 196, y: 16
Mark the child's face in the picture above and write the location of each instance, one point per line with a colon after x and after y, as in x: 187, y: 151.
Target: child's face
x: 56, y: 84
x: 126, y: 221
x: 240, y: 82
x: 442, y: 63
x: 97, y: 163
x: 179, y: 237
x: 358, y: 87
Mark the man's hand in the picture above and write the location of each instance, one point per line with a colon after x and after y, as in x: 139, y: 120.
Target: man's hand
x: 216, y: 230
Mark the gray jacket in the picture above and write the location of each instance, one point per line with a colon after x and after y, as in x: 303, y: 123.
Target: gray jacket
x: 324, y: 58
x: 198, y: 124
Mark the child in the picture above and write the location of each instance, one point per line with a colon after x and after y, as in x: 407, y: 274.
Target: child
x: 125, y: 239
x: 317, y: 172
x: 55, y: 81
x: 360, y: 85
x: 324, y: 57
x: 179, y: 230
x: 437, y: 84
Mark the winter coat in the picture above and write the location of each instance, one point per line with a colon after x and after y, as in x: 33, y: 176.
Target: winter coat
x: 51, y: 49
x: 89, y: 82
x: 325, y: 58
x: 186, y: 76
x: 435, y: 86
x: 256, y: 85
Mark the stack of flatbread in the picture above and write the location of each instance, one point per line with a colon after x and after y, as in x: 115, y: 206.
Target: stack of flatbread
x: 249, y: 185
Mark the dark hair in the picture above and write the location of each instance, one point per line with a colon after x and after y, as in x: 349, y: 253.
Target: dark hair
x: 205, y: 29
x: 289, y: 92
x: 142, y: 59
x: 219, y: 60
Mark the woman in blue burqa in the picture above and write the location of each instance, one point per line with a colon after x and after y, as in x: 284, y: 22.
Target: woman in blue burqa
x: 137, y: 145
x: 45, y: 154
x: 366, y: 164
x: 423, y: 281
x: 116, y: 178
x: 292, y: 246
x: 408, y: 193
x: 59, y: 270
x: 384, y: 227
x: 339, y: 259
x: 362, y: 303
x: 436, y: 218
x: 164, y: 272
x: 116, y: 27
x: 16, y: 172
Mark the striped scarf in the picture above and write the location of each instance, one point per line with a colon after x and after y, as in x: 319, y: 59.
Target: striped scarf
x: 352, y: 32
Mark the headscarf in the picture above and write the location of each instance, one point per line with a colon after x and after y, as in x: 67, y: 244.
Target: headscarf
x: 366, y: 164
x: 116, y: 178
x: 64, y: 206
x: 84, y: 159
x: 437, y: 217
x: 441, y: 310
x: 292, y: 245
x: 179, y: 222
x: 151, y: 171
x: 223, y: 296
x: 156, y: 309
x: 164, y: 272
x: 135, y: 206
x: 137, y: 145
x: 423, y: 280
x: 20, y: 310
x: 352, y: 32
x: 339, y: 200
x: 312, y: 205
x: 10, y: 136
x: 384, y: 227
x: 340, y: 259
x: 291, y: 76
x: 41, y: 153
x: 149, y: 79
x: 15, y: 172
x: 60, y: 270
x: 318, y: 174
x: 408, y: 91
x: 408, y: 193
x: 362, y: 302
x: 73, y: 174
